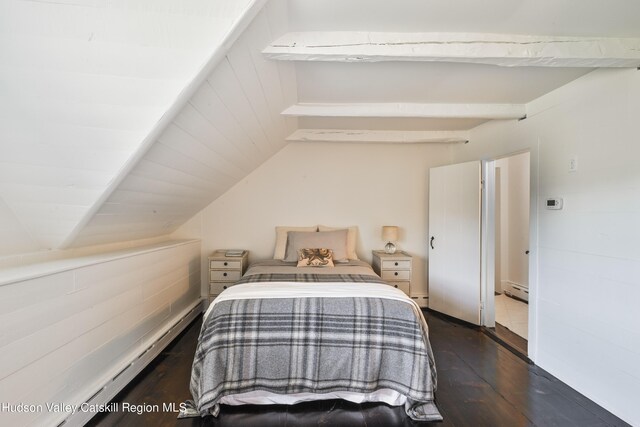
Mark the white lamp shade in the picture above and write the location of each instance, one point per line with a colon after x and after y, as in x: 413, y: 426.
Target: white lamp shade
x: 390, y: 233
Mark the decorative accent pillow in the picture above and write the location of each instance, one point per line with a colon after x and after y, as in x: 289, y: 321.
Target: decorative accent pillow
x: 334, y: 240
x: 321, y: 257
x: 281, y: 238
x: 352, y: 238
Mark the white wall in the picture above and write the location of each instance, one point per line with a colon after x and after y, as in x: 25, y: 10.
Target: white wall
x: 69, y: 328
x: 368, y: 185
x: 585, y: 258
x: 514, y: 219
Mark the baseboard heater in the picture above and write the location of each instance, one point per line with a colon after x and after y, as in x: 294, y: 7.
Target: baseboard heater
x: 516, y: 290
x: 113, y: 386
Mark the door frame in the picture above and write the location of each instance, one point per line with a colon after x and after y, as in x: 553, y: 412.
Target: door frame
x: 488, y: 245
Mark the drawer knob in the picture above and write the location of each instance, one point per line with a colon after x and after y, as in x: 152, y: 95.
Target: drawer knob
x: 224, y: 274
x: 224, y: 287
x: 395, y: 286
x: 396, y: 263
x: 395, y: 273
x: 226, y: 263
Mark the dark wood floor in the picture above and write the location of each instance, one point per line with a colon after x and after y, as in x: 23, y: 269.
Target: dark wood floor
x: 480, y: 383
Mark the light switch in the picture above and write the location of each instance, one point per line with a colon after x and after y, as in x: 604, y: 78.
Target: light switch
x: 573, y: 164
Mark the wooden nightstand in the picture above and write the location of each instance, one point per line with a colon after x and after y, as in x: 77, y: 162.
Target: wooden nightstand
x: 225, y: 271
x: 394, y: 269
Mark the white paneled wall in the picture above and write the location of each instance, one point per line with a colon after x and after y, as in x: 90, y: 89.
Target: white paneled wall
x: 66, y: 330
x: 585, y: 258
x: 83, y: 83
x: 231, y: 125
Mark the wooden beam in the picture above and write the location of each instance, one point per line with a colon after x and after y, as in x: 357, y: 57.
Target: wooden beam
x: 509, y: 50
x: 378, y: 136
x: 413, y: 110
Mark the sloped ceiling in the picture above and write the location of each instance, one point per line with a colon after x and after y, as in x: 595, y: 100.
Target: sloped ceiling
x: 121, y: 120
x: 82, y: 82
x: 226, y: 128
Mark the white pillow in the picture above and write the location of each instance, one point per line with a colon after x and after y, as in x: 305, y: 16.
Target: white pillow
x: 335, y: 240
x: 281, y: 238
x: 352, y: 238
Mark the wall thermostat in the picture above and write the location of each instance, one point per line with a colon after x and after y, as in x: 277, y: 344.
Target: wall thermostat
x: 554, y: 203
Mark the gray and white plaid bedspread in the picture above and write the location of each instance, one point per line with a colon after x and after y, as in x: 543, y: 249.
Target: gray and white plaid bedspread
x: 314, y: 345
x: 310, y: 278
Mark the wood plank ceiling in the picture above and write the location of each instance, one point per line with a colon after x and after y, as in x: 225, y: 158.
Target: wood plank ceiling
x: 83, y: 84
x: 121, y: 120
x: 226, y: 129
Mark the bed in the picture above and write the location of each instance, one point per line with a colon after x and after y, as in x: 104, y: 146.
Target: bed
x: 287, y: 334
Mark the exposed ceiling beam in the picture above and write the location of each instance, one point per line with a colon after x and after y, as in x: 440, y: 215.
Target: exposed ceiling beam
x: 378, y: 136
x: 411, y: 110
x: 508, y: 50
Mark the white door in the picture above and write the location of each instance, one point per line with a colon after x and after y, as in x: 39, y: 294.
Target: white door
x: 454, y: 240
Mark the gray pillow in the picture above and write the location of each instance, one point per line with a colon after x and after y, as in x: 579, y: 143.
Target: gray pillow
x: 334, y: 240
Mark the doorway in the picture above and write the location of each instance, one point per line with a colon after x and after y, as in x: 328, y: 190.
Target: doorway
x: 478, y: 245
x: 510, y: 181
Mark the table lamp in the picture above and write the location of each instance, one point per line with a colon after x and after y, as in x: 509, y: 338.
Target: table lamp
x: 390, y: 235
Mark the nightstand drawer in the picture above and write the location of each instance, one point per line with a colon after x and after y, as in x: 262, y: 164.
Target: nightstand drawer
x: 403, y: 286
x: 396, y: 265
x: 230, y: 265
x: 216, y: 288
x: 224, y: 276
x: 396, y: 275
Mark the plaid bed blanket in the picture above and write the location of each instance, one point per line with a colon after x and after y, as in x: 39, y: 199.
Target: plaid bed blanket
x: 314, y: 345
x: 310, y: 277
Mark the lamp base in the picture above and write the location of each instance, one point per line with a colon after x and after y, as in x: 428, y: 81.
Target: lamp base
x: 390, y: 248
